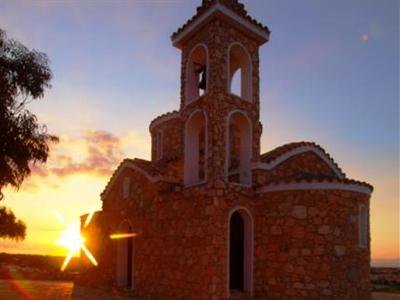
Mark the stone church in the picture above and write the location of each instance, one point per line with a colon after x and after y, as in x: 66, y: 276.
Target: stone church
x: 214, y: 217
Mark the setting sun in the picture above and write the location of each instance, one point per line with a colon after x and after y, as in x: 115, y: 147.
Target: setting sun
x: 72, y: 240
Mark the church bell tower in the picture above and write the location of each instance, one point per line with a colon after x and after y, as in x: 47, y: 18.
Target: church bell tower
x: 220, y: 92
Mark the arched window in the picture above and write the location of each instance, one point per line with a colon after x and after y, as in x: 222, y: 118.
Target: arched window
x: 195, y: 148
x: 125, y: 255
x: 240, y: 251
x: 196, y: 73
x: 363, y: 226
x: 239, y: 148
x: 239, y: 72
x: 159, y: 145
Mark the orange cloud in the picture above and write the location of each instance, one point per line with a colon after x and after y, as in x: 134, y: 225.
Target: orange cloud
x: 96, y: 153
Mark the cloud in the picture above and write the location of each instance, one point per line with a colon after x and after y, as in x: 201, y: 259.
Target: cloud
x: 96, y: 153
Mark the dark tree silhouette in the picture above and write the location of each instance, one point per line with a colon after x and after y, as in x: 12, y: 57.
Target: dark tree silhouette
x: 10, y: 227
x: 24, y: 75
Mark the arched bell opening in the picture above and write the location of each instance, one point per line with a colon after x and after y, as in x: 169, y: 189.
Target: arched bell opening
x: 240, y: 252
x: 239, y: 148
x: 196, y: 73
x: 195, y: 163
x: 236, y: 83
x: 125, y: 258
x: 239, y: 72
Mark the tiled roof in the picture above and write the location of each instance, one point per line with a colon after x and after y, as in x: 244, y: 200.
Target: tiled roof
x: 281, y: 150
x: 233, y: 5
x: 146, y: 166
x: 167, y: 115
x: 320, y: 179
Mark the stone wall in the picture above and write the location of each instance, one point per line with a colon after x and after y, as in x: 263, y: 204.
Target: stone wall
x: 181, y: 246
x: 307, y: 246
x: 305, y: 242
x: 97, y: 241
x: 180, y: 250
x: 307, y: 165
x: 172, y: 139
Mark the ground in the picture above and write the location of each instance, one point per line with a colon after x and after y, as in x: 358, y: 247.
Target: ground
x: 50, y: 290
x: 65, y: 290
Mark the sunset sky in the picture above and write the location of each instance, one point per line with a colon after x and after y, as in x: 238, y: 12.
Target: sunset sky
x: 329, y: 74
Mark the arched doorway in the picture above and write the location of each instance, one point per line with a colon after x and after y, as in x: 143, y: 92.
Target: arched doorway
x: 236, y: 257
x: 240, y: 244
x: 125, y: 255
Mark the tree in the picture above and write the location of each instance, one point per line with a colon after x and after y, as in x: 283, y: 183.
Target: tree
x: 10, y: 227
x: 24, y: 76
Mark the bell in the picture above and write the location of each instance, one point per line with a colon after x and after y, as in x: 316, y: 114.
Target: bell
x: 203, y: 82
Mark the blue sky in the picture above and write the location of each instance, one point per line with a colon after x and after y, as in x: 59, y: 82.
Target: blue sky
x: 315, y: 70
x: 115, y: 69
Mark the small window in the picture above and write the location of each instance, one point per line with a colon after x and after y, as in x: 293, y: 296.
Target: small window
x: 159, y: 143
x: 363, y: 226
x: 126, y: 186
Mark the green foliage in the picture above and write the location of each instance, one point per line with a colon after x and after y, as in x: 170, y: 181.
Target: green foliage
x: 24, y: 76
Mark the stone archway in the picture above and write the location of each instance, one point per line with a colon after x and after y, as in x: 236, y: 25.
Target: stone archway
x: 240, y: 250
x: 236, y: 255
x: 125, y: 258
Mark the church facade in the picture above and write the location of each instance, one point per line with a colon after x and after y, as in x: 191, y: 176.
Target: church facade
x: 214, y: 217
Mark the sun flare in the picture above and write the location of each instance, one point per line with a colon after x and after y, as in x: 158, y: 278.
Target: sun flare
x: 122, y: 235
x: 72, y: 240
